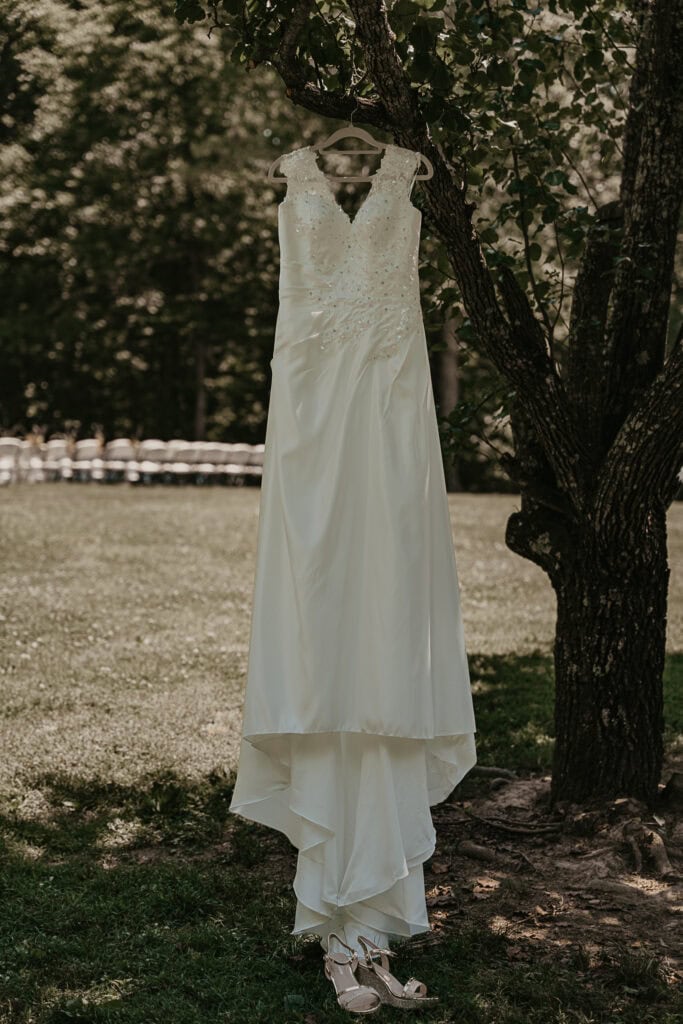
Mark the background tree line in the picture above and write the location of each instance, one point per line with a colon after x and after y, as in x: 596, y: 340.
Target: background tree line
x: 137, y: 259
x: 138, y: 238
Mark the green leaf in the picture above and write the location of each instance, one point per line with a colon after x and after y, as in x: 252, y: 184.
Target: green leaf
x: 463, y: 55
x: 440, y: 77
x: 404, y: 9
x: 501, y: 72
x: 594, y: 59
x: 420, y: 67
x: 424, y: 32
x: 189, y: 10
x: 555, y: 178
x: 528, y: 72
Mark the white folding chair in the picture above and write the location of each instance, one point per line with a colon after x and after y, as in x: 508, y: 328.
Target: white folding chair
x: 30, y: 462
x: 88, y: 463
x: 207, y: 453
x: 57, y: 461
x: 254, y: 467
x: 10, y: 448
x: 180, y: 456
x: 238, y: 460
x: 151, y: 459
x: 120, y: 461
x: 194, y: 454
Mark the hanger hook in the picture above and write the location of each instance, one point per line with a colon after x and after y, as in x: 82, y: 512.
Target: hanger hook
x: 354, y: 111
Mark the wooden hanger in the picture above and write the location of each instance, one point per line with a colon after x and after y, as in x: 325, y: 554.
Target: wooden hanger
x: 350, y: 131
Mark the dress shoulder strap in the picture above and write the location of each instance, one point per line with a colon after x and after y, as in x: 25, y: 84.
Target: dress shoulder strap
x: 397, y: 162
x: 400, y: 165
x: 297, y: 163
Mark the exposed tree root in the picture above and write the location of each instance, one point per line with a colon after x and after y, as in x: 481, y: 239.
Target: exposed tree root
x: 627, y: 831
x: 477, y: 852
x: 644, y: 840
x: 490, y: 771
x: 518, y: 827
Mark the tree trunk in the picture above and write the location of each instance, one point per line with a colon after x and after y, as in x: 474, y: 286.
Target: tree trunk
x: 449, y: 392
x: 609, y: 657
x: 200, y: 390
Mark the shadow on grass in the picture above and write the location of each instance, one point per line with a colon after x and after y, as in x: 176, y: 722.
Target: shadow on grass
x: 153, y: 902
x: 514, y: 701
x: 66, y: 815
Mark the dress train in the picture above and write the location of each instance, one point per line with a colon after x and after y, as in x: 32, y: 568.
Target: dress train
x: 356, y: 806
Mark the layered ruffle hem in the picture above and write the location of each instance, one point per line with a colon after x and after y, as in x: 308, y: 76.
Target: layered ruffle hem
x: 357, y: 807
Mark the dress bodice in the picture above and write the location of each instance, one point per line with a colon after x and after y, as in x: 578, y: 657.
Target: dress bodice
x: 344, y: 273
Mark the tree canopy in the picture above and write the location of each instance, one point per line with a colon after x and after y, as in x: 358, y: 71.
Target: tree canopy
x: 128, y: 262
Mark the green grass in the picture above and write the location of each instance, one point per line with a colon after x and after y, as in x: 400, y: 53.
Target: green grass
x: 127, y: 890
x: 90, y: 933
x: 514, y: 702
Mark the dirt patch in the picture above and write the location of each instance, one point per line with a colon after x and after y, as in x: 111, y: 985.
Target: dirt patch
x: 572, y: 880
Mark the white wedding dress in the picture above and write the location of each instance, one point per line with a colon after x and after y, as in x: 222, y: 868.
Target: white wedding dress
x: 358, y: 711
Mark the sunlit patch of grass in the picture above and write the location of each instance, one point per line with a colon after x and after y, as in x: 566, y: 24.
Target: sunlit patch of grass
x: 79, y: 815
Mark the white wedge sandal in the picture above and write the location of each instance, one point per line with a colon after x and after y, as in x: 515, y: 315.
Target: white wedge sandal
x: 411, y: 996
x: 340, y: 969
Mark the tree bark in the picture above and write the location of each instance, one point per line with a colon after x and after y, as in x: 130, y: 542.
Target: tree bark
x: 200, y: 390
x: 609, y: 658
x: 449, y: 392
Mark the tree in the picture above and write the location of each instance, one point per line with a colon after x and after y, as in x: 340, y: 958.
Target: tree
x: 497, y: 93
x: 132, y: 290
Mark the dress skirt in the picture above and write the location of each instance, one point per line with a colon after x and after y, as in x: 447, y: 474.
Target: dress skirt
x: 357, y: 808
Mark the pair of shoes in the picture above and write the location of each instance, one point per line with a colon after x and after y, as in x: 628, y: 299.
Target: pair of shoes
x: 411, y: 996
x: 340, y: 969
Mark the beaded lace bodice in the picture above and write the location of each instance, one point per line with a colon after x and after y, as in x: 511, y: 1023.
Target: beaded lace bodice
x: 348, y: 283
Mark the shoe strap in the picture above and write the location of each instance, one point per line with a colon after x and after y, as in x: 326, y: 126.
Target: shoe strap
x: 413, y: 987
x: 371, y: 949
x: 333, y: 935
x: 351, y: 961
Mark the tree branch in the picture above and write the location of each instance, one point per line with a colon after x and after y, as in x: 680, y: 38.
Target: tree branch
x: 329, y: 104
x: 516, y: 353
x: 645, y: 453
x: 586, y: 358
x: 527, y: 244
x: 651, y: 195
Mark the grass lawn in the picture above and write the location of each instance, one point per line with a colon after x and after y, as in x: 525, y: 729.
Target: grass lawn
x: 128, y: 892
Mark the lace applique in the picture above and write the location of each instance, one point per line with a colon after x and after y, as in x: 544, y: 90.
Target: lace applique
x: 361, y: 273
x: 395, y: 174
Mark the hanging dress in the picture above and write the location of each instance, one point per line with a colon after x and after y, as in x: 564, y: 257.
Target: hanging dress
x: 358, y: 711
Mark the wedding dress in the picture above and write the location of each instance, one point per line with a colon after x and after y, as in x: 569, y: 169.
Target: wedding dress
x: 358, y: 711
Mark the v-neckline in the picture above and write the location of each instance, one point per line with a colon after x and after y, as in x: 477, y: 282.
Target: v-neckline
x: 335, y: 202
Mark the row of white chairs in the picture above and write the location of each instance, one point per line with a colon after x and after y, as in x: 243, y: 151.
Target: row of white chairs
x: 135, y: 462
